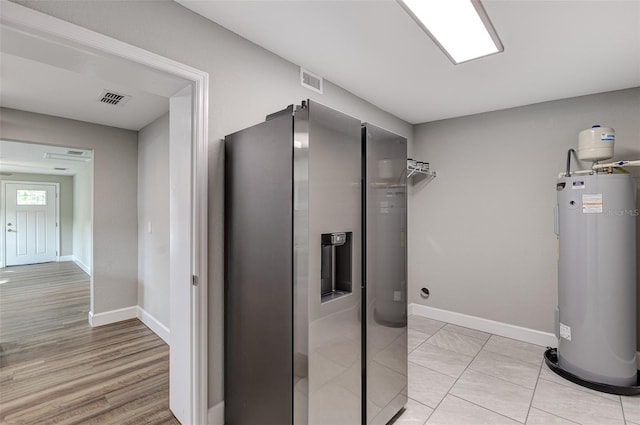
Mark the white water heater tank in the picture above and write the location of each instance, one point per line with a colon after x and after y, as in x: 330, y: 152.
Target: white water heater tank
x: 596, y: 143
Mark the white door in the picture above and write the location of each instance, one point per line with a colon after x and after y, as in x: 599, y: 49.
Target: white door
x: 30, y: 223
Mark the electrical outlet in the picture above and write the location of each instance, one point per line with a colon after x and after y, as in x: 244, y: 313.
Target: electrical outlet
x: 397, y: 296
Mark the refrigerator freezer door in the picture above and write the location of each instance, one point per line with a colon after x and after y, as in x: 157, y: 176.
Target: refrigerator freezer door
x: 386, y: 274
x: 258, y: 280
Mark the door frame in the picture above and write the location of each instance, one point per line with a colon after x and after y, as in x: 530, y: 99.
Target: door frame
x: 3, y: 215
x: 39, y: 24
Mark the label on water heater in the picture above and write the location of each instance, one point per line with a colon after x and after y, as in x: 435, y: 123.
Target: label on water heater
x: 607, y: 137
x: 397, y: 296
x: 578, y: 184
x: 565, y: 331
x: 592, y: 204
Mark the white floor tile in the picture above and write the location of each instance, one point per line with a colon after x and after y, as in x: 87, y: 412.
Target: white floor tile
x: 538, y: 417
x: 495, y: 382
x: 549, y: 375
x: 459, y: 343
x: 631, y: 406
x: 575, y: 405
x: 427, y: 386
x: 519, y: 350
x: 415, y: 414
x: 507, y: 368
x: 454, y: 411
x: 494, y: 394
x: 440, y: 360
x: 466, y: 331
x: 424, y: 325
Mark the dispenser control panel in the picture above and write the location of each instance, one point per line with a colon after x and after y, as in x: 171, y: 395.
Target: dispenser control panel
x: 334, y: 238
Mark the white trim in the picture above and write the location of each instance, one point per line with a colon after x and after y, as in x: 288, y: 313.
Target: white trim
x: 519, y: 333
x: 32, y: 22
x: 82, y: 265
x: 66, y: 258
x: 58, y: 222
x: 200, y: 243
x: 113, y: 316
x: 2, y: 234
x: 154, y: 324
x: 216, y: 414
x: 127, y: 313
x: 3, y: 249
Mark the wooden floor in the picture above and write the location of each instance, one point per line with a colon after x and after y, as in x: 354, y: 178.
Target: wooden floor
x: 56, y: 369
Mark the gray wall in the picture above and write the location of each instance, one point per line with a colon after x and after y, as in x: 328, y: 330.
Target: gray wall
x: 115, y: 233
x: 82, y: 219
x: 66, y: 205
x: 247, y: 82
x: 153, y: 207
x: 481, y: 235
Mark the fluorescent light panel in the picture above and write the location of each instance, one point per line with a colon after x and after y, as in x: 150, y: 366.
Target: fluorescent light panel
x: 461, y: 28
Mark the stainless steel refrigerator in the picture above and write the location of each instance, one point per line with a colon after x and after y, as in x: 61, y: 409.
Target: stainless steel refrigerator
x: 315, y: 271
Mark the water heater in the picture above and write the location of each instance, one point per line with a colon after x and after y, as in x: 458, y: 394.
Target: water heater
x: 596, y: 316
x: 596, y: 218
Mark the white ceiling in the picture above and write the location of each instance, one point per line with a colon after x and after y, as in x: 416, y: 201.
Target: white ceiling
x: 38, y: 87
x: 553, y: 50
x: 18, y: 157
x: 56, y: 77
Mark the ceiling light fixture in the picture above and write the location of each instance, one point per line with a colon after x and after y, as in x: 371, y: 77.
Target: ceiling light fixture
x: 461, y: 28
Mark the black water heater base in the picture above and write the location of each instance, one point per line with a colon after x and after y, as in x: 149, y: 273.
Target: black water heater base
x: 551, y: 359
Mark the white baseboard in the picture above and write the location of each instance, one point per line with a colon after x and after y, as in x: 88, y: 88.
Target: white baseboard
x: 154, y: 324
x: 133, y: 312
x: 216, y: 414
x: 65, y: 258
x: 82, y: 265
x: 497, y: 328
x: 113, y: 316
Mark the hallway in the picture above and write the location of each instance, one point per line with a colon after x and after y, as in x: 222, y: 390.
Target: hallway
x: 55, y: 368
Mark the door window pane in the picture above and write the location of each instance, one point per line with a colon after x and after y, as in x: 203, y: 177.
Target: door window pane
x: 32, y: 197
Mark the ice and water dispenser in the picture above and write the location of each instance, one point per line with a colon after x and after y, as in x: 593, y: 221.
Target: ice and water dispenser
x: 335, y: 265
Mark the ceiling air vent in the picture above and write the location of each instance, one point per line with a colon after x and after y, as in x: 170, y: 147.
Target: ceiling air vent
x: 67, y: 157
x: 112, y: 98
x: 310, y: 80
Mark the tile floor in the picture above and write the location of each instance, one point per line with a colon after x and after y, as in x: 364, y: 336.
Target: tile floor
x: 461, y: 376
